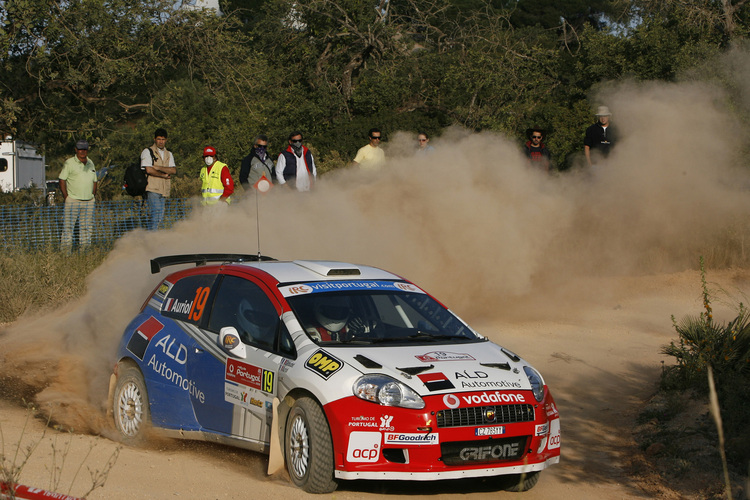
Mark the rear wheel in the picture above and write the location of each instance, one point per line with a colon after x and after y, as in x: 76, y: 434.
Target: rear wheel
x: 309, y: 448
x: 131, y: 411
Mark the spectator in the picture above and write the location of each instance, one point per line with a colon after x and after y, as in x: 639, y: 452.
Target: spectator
x: 78, y: 186
x: 423, y: 144
x: 257, y: 164
x: 158, y: 162
x: 600, y: 137
x: 371, y: 156
x: 216, y: 178
x: 537, y: 154
x: 296, y: 164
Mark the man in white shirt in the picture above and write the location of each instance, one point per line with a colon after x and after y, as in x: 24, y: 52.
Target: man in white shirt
x: 296, y: 166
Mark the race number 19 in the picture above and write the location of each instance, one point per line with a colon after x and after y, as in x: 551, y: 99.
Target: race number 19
x: 201, y: 296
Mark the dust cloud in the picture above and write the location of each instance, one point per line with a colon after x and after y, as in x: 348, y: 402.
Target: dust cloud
x: 471, y: 223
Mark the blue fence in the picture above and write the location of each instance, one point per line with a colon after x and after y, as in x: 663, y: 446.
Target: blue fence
x: 31, y: 227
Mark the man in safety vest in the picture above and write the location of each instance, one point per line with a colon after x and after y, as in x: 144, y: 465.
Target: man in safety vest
x: 216, y: 178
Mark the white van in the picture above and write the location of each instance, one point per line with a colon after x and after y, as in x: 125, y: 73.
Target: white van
x: 21, y: 166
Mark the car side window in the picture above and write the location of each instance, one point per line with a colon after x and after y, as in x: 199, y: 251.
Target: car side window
x: 244, y: 305
x: 189, y: 299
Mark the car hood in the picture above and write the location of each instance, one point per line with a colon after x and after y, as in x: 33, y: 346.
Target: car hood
x: 434, y: 369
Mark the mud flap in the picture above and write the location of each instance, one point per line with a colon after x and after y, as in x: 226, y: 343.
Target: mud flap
x: 276, y: 454
x: 111, y: 395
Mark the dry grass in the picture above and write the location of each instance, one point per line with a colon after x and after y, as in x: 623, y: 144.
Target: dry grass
x: 43, y: 279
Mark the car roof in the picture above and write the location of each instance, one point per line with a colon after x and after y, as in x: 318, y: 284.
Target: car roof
x: 320, y: 270
x: 297, y: 271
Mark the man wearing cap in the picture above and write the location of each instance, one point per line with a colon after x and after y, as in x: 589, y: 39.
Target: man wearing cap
x: 217, y: 184
x: 599, y: 137
x: 537, y: 154
x: 158, y: 163
x: 78, y: 187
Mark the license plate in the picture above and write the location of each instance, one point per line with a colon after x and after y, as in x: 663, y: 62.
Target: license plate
x: 489, y: 431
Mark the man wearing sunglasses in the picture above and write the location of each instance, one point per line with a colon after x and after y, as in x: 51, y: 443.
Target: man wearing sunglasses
x: 371, y: 156
x: 296, y: 166
x: 537, y: 154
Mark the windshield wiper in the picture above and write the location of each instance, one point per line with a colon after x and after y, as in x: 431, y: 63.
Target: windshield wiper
x: 424, y: 335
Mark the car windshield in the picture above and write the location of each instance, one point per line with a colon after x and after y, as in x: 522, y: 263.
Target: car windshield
x: 370, y: 317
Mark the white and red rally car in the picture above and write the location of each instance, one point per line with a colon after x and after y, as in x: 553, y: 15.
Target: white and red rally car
x: 340, y: 371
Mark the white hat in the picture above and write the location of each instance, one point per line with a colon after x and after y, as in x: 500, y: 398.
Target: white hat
x: 603, y: 111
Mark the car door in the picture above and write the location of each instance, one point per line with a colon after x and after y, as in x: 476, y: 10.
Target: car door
x: 246, y: 386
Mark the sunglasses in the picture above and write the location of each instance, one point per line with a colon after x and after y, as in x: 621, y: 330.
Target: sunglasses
x: 422, y: 140
x: 536, y: 136
x: 375, y: 137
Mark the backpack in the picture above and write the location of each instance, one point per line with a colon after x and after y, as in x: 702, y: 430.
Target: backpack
x: 135, y: 180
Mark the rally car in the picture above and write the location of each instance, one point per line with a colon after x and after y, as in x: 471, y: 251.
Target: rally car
x: 340, y: 371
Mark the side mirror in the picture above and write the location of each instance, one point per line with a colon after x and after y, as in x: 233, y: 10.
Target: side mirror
x: 229, y: 340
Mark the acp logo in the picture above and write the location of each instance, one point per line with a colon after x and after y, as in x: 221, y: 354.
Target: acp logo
x: 364, y: 447
x: 323, y: 364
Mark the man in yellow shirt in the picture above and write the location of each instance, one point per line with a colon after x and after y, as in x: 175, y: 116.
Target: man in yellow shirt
x: 371, y: 156
x: 78, y: 187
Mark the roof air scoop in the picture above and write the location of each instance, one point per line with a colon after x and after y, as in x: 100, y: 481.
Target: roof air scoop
x: 326, y: 268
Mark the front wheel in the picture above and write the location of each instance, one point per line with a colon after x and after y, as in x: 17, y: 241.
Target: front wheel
x: 309, y: 448
x: 131, y: 410
x: 522, y: 482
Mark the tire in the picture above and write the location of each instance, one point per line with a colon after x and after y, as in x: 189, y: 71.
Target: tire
x: 130, y: 407
x: 308, y: 448
x: 522, y: 482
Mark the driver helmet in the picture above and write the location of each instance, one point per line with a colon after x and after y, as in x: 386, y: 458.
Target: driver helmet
x: 332, y: 312
x: 253, y: 321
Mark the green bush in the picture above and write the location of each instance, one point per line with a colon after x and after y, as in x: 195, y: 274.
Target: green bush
x: 725, y: 347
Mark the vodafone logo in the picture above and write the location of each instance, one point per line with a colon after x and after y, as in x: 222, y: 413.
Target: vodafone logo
x: 451, y: 401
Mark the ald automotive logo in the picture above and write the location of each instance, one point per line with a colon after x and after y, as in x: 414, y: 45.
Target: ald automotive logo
x: 143, y: 335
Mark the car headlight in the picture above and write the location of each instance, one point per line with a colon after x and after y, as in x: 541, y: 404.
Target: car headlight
x: 386, y: 391
x: 537, y: 384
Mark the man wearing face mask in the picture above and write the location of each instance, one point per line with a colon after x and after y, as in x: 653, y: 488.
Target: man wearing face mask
x: 257, y: 164
x: 217, y: 184
x: 296, y: 164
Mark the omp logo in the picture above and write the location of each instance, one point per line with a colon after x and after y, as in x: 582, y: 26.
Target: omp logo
x: 323, y: 364
x: 497, y: 452
x: 451, y: 401
x: 363, y: 447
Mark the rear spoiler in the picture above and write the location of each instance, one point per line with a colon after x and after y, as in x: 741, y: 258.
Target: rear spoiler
x: 201, y: 259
